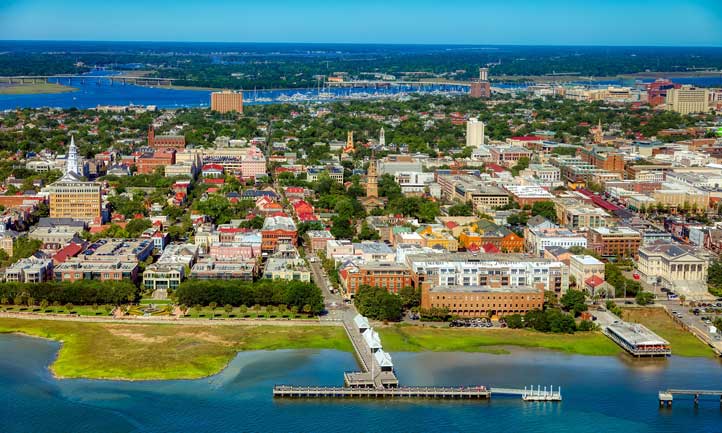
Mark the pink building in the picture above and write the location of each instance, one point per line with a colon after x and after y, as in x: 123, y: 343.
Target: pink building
x: 253, y: 163
x: 231, y: 251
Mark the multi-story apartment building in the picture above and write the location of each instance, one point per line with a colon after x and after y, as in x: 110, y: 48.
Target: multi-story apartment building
x: 688, y: 100
x: 227, y: 101
x: 30, y: 270
x: 253, y: 163
x: 584, y: 267
x: 509, y: 156
x: 471, y: 189
x: 389, y: 275
x: 493, y: 270
x: 148, y: 163
x: 536, y: 240
x: 102, y: 270
x: 209, y: 269
x: 482, y: 301
x: 574, y: 214
x: 605, y: 158
x: 171, y: 268
x: 278, y: 230
x: 614, y: 241
x: 474, y: 133
x: 335, y: 172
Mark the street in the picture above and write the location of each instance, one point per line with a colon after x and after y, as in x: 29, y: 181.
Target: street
x: 333, y: 302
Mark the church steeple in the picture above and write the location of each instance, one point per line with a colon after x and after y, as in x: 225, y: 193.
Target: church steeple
x: 71, y: 163
x: 372, y: 183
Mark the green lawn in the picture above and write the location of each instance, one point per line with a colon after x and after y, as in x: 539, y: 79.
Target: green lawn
x: 683, y: 342
x: 158, y: 351
x: 400, y: 338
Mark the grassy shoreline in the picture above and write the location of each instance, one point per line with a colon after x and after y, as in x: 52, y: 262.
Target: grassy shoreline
x: 164, y: 352
x: 34, y: 89
x: 400, y: 338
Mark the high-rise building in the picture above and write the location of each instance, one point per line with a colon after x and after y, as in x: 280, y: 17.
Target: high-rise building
x: 227, y: 101
x: 687, y: 100
x: 73, y: 197
x: 474, y: 133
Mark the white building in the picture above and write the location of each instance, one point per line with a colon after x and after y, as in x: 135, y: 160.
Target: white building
x: 474, y: 133
x: 536, y: 240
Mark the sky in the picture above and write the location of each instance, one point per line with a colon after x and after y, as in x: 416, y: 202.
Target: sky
x: 522, y: 22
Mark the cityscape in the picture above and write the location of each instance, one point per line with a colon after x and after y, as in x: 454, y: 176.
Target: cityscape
x: 429, y: 228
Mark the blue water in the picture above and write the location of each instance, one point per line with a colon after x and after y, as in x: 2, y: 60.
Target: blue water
x: 600, y: 394
x: 96, y: 90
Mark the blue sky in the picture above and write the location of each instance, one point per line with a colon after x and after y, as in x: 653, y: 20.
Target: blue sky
x: 558, y: 22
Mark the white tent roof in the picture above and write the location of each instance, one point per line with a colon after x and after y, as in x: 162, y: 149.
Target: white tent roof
x: 383, y: 359
x: 372, y: 339
x: 361, y: 322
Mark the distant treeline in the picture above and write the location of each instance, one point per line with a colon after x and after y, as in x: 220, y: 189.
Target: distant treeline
x: 288, y: 66
x: 263, y: 292
x: 83, y: 292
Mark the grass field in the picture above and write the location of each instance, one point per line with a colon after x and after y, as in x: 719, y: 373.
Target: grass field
x: 415, y: 338
x: 32, y: 89
x: 683, y: 343
x: 156, y: 351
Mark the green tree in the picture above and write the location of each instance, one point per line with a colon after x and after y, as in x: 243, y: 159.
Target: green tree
x: 573, y: 301
x: 368, y: 233
x: 644, y: 298
x: 545, y: 209
x: 377, y: 303
x: 514, y: 321
x: 461, y: 209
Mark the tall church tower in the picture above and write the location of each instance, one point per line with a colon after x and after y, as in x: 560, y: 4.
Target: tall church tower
x: 372, y: 180
x: 599, y: 133
x: 151, y: 135
x: 382, y: 137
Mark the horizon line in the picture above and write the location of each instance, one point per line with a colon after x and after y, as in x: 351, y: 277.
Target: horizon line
x: 458, y: 44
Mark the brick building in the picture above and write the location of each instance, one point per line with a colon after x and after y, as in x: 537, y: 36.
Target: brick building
x: 482, y: 301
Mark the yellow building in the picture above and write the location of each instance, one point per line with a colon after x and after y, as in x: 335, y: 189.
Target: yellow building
x: 446, y: 241
x: 687, y: 100
x: 72, y: 197
x: 467, y: 238
x: 227, y: 101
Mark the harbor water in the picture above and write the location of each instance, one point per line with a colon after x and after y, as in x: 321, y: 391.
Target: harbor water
x: 600, y: 394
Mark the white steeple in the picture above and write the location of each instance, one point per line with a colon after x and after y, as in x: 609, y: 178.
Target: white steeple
x: 71, y: 164
x: 382, y: 137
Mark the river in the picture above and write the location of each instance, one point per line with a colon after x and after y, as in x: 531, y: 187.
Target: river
x: 600, y: 394
x: 96, y: 90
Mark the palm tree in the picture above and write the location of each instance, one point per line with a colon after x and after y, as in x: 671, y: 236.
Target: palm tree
x: 31, y: 302
x: 213, y: 306
x: 294, y: 310
x: 256, y: 308
x: 197, y: 308
x: 270, y: 309
x: 242, y: 309
x: 4, y: 300
x: 228, y: 308
x: 307, y: 309
x: 43, y: 304
x: 69, y: 307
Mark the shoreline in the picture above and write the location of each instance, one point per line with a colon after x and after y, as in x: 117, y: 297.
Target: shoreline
x: 35, y: 89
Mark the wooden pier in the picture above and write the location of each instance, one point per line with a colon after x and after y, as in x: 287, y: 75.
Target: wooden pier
x: 667, y: 396
x: 435, y: 392
x: 377, y: 378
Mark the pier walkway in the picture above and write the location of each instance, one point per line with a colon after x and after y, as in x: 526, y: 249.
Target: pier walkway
x: 667, y: 396
x: 437, y: 392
